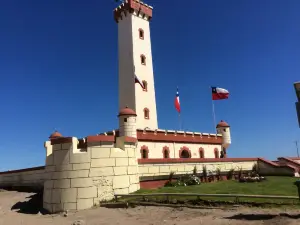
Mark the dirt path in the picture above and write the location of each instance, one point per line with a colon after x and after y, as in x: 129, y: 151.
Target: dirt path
x: 23, y: 208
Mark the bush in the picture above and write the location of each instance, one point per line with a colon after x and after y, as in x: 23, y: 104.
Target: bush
x: 218, y: 174
x: 185, y: 180
x: 230, y: 174
x: 251, y: 179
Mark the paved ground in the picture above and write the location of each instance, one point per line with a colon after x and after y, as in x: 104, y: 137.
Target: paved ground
x: 23, y: 208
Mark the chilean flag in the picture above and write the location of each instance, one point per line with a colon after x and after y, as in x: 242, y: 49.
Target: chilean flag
x: 137, y: 80
x: 177, y: 102
x: 219, y: 93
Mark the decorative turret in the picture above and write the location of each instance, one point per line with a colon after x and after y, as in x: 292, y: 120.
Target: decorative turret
x: 224, y: 129
x: 127, y: 122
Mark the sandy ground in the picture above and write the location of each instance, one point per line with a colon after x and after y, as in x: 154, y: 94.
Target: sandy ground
x: 24, y: 208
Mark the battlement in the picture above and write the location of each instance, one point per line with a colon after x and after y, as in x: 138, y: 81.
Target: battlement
x: 160, y: 135
x: 136, y: 7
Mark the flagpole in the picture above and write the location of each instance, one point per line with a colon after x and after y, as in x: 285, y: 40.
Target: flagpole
x: 214, y: 114
x: 179, y: 119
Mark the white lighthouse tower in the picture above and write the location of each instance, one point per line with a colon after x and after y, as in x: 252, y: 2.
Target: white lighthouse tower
x: 135, y: 59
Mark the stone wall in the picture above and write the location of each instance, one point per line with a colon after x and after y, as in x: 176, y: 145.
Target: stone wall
x: 81, y: 178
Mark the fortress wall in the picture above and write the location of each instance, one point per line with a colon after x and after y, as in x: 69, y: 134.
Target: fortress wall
x: 82, y: 178
x: 152, y: 169
x: 32, y: 178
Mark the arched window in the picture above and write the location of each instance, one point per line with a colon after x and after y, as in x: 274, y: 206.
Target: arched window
x: 217, y: 154
x: 145, y: 84
x: 143, y: 60
x: 201, y: 153
x: 144, y: 152
x: 146, y: 113
x: 184, y: 152
x: 166, y: 152
x: 141, y: 34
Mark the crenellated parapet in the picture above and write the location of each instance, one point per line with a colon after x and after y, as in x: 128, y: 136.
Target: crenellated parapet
x: 135, y: 7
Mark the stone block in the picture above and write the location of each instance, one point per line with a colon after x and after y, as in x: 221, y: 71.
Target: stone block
x: 56, y: 147
x: 118, y: 153
x: 49, y: 160
x: 99, y: 172
x: 59, y: 207
x: 60, y: 175
x: 191, y: 167
x: 56, y: 195
x: 47, y: 206
x: 61, y: 157
x: 103, y: 181
x: 81, y: 182
x: 100, y: 152
x: 105, y: 193
x: 121, y: 182
x: 49, y: 168
x: 48, y: 184
x: 122, y: 170
x: 69, y: 195
x: 133, y: 188
x: 132, y: 169
x: 164, y: 169
x: 81, y: 166
x: 121, y: 191
x: 103, y: 162
x: 82, y: 157
x: 134, y: 179
x: 63, y: 183
x: 144, y: 170
x: 131, y: 152
x: 89, y: 192
x: 121, y: 161
x: 173, y: 168
x: 86, y: 203
x: 70, y: 206
x: 47, y: 196
x: 66, y: 146
x: 132, y: 162
x: 79, y: 173
x: 153, y: 169
x: 63, y: 167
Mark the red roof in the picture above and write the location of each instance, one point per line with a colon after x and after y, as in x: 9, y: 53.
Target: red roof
x: 223, y: 124
x: 127, y: 112
x: 56, y: 134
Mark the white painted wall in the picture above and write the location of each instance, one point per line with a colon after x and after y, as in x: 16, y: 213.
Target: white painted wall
x: 155, y: 149
x: 130, y: 49
x: 226, y: 140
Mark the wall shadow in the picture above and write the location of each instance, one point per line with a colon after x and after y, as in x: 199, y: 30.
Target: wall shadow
x: 253, y: 217
x: 34, y: 205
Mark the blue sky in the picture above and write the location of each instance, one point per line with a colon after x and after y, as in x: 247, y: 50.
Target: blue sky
x: 58, y: 66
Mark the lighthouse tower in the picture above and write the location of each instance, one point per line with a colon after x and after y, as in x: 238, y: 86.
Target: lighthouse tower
x: 135, y: 59
x: 224, y: 129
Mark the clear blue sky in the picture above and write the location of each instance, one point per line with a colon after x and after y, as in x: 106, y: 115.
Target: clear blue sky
x: 58, y: 66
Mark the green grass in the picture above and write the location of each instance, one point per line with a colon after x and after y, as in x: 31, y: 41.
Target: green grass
x: 272, y: 186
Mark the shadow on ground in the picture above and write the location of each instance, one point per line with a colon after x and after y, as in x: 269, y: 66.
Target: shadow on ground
x: 262, y: 216
x: 34, y: 205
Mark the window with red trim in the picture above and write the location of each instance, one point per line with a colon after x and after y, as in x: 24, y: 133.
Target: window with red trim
x: 141, y: 34
x: 146, y: 113
x: 144, y: 154
x: 143, y: 60
x: 201, y: 153
x: 217, y: 154
x: 166, y: 154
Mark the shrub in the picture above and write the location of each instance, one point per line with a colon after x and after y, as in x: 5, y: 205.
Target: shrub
x: 230, y: 174
x: 240, y: 173
x: 250, y: 179
x: 218, y: 174
x: 204, y: 172
x: 184, y: 180
x: 195, y: 170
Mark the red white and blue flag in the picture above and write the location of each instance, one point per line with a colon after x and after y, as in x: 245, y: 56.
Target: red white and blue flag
x: 177, y: 102
x: 219, y: 93
x: 138, y: 81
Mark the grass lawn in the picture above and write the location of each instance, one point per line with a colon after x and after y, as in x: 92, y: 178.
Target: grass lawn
x: 271, y: 186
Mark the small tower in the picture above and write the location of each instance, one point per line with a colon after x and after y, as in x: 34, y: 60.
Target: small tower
x: 224, y: 129
x: 135, y: 59
x: 127, y: 123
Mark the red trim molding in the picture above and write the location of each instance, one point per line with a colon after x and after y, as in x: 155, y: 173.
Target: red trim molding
x: 166, y: 149
x: 201, y: 153
x: 184, y: 148
x: 144, y: 148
